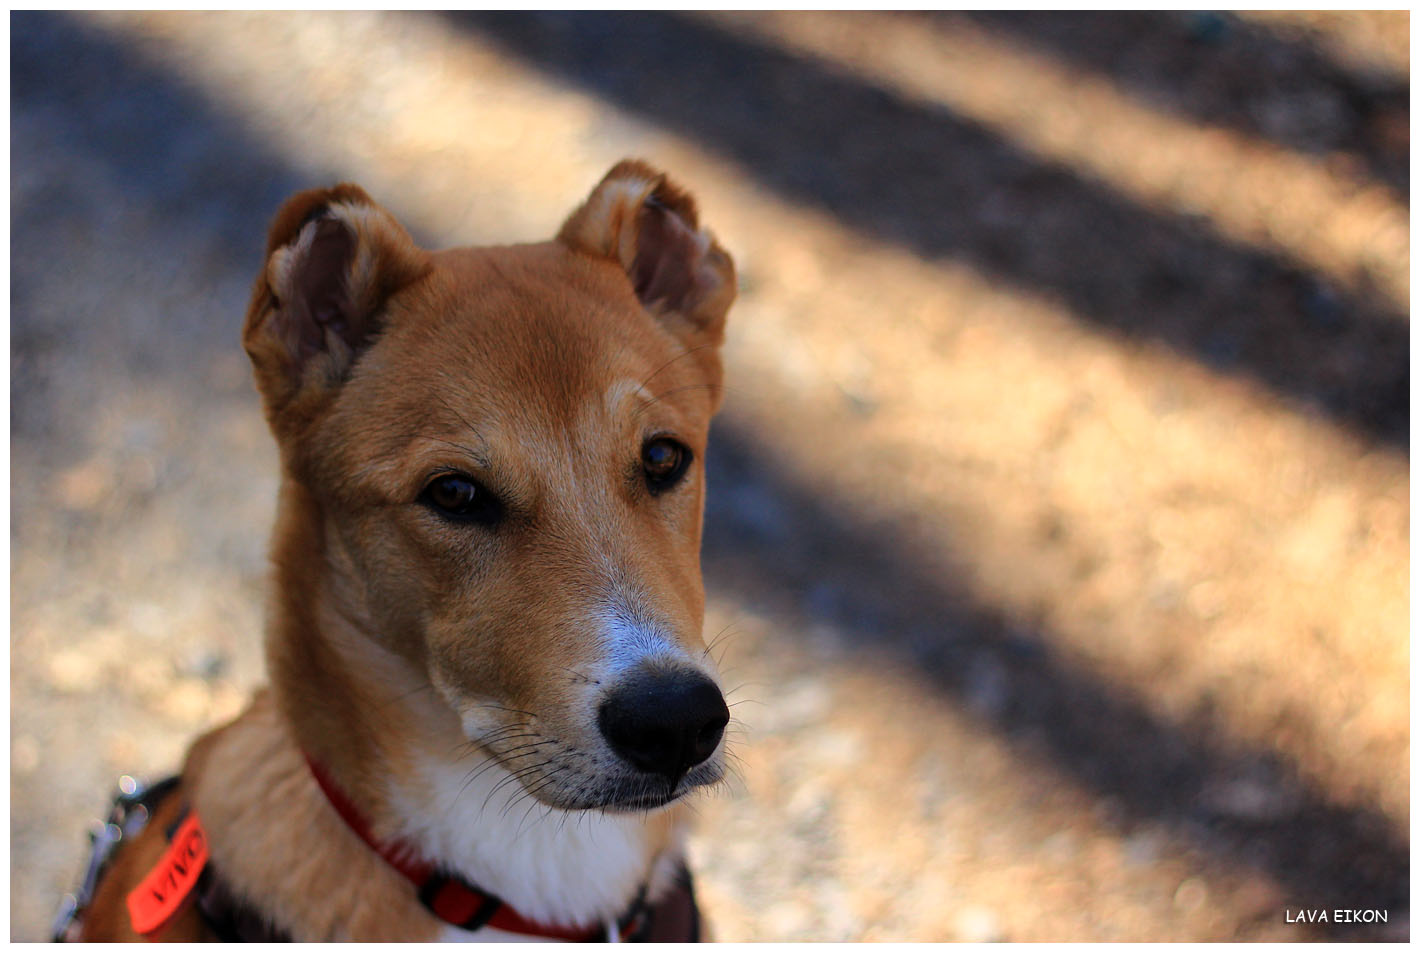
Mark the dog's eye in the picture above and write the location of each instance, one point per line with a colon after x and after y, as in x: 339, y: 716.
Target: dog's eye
x: 664, y: 461
x: 461, y: 497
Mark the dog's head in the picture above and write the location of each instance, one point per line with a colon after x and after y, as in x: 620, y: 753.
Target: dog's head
x: 503, y: 451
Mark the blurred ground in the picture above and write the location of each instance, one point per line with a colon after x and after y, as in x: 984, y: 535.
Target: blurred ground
x: 1058, y: 527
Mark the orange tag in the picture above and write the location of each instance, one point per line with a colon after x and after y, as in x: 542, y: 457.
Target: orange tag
x: 154, y: 901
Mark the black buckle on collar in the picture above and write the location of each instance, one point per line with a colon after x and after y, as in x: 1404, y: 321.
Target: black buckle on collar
x: 488, y: 904
x: 632, y: 926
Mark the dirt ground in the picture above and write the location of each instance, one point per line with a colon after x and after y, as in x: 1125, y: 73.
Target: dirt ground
x: 1057, y: 543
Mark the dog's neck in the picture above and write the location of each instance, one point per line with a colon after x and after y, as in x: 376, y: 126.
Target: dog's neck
x: 383, y: 733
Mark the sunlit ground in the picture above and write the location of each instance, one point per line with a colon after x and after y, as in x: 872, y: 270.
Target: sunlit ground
x: 1058, y: 531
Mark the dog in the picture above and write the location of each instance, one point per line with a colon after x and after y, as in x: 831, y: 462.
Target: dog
x: 489, y: 692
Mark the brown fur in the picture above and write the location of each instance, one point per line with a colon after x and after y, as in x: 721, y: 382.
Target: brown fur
x: 538, y: 369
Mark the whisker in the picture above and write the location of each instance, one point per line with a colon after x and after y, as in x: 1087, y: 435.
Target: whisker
x: 674, y: 390
x: 404, y: 695
x: 476, y: 455
x: 490, y: 743
x: 463, y: 420
x: 502, y: 760
x: 685, y: 353
x: 587, y: 679
x: 497, y: 707
x: 720, y: 636
x: 529, y: 793
x: 513, y: 776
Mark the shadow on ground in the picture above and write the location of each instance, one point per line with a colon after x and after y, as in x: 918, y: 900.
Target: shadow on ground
x: 1220, y: 70
x: 809, y: 560
x: 920, y: 176
x: 129, y: 125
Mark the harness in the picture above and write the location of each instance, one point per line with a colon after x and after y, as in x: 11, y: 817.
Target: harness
x: 133, y: 804
x: 185, y: 872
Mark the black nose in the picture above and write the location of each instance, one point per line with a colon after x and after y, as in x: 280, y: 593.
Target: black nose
x: 664, y: 722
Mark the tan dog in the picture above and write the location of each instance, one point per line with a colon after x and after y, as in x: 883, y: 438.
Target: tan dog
x: 488, y: 678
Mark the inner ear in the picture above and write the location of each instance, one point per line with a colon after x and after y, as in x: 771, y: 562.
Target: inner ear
x: 668, y: 272
x: 320, y: 286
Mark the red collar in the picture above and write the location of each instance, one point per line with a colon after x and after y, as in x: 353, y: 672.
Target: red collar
x: 448, y: 896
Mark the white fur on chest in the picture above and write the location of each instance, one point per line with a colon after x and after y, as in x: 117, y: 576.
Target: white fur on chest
x: 452, y: 934
x: 566, y: 868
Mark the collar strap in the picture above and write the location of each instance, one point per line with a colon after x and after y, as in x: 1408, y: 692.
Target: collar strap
x: 448, y: 896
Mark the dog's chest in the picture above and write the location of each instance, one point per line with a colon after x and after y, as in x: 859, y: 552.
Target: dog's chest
x: 549, y: 865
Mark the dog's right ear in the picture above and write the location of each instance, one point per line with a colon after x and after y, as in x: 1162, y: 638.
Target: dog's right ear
x: 333, y: 258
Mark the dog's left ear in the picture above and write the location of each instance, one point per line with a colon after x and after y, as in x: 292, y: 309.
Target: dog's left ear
x: 640, y: 219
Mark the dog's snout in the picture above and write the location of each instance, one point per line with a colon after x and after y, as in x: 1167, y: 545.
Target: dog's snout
x: 664, y: 722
